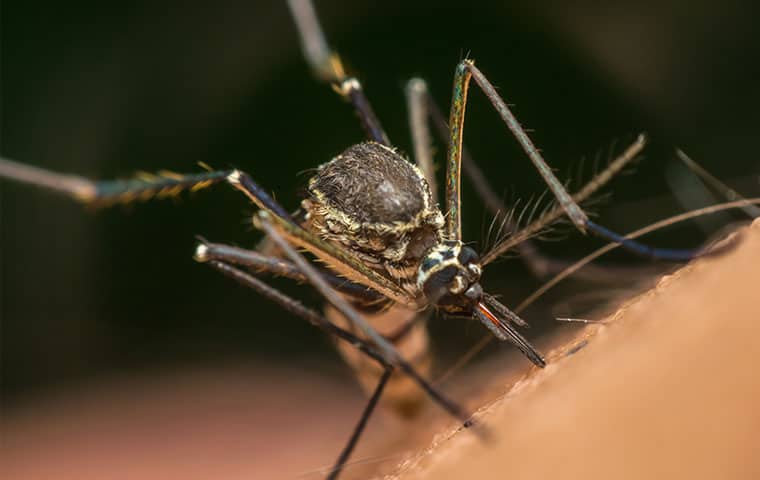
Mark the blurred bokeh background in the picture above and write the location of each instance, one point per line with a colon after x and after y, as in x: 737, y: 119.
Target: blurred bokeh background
x: 104, y: 90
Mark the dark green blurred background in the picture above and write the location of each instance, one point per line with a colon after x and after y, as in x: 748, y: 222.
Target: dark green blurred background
x: 105, y: 90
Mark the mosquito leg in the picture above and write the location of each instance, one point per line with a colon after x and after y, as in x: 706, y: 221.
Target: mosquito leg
x: 207, y: 251
x: 328, y: 67
x: 417, y: 103
x: 390, y: 355
x: 453, y: 228
x: 359, y: 428
x: 464, y: 72
x: 539, y: 264
x: 143, y: 186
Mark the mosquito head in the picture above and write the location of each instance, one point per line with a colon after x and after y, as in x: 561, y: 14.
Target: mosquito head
x: 449, y: 275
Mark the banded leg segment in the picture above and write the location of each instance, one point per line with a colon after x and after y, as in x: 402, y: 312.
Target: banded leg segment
x: 328, y: 67
x: 143, y: 187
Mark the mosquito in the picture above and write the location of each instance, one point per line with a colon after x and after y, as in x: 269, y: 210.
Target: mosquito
x: 388, y: 253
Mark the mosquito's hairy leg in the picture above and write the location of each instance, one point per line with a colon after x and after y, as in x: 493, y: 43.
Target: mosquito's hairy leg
x: 328, y: 67
x: 206, y: 251
x: 143, y: 186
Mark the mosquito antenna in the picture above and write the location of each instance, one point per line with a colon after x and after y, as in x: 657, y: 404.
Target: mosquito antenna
x: 603, y: 177
x: 490, y: 229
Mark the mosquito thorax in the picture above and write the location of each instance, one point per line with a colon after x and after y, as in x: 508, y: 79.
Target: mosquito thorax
x: 449, y: 276
x: 378, y: 204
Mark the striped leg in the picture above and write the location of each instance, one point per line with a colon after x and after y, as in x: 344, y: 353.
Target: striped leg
x: 142, y: 187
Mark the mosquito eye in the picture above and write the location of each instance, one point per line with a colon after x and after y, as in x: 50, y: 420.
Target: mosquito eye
x: 439, y: 282
x: 467, y: 256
